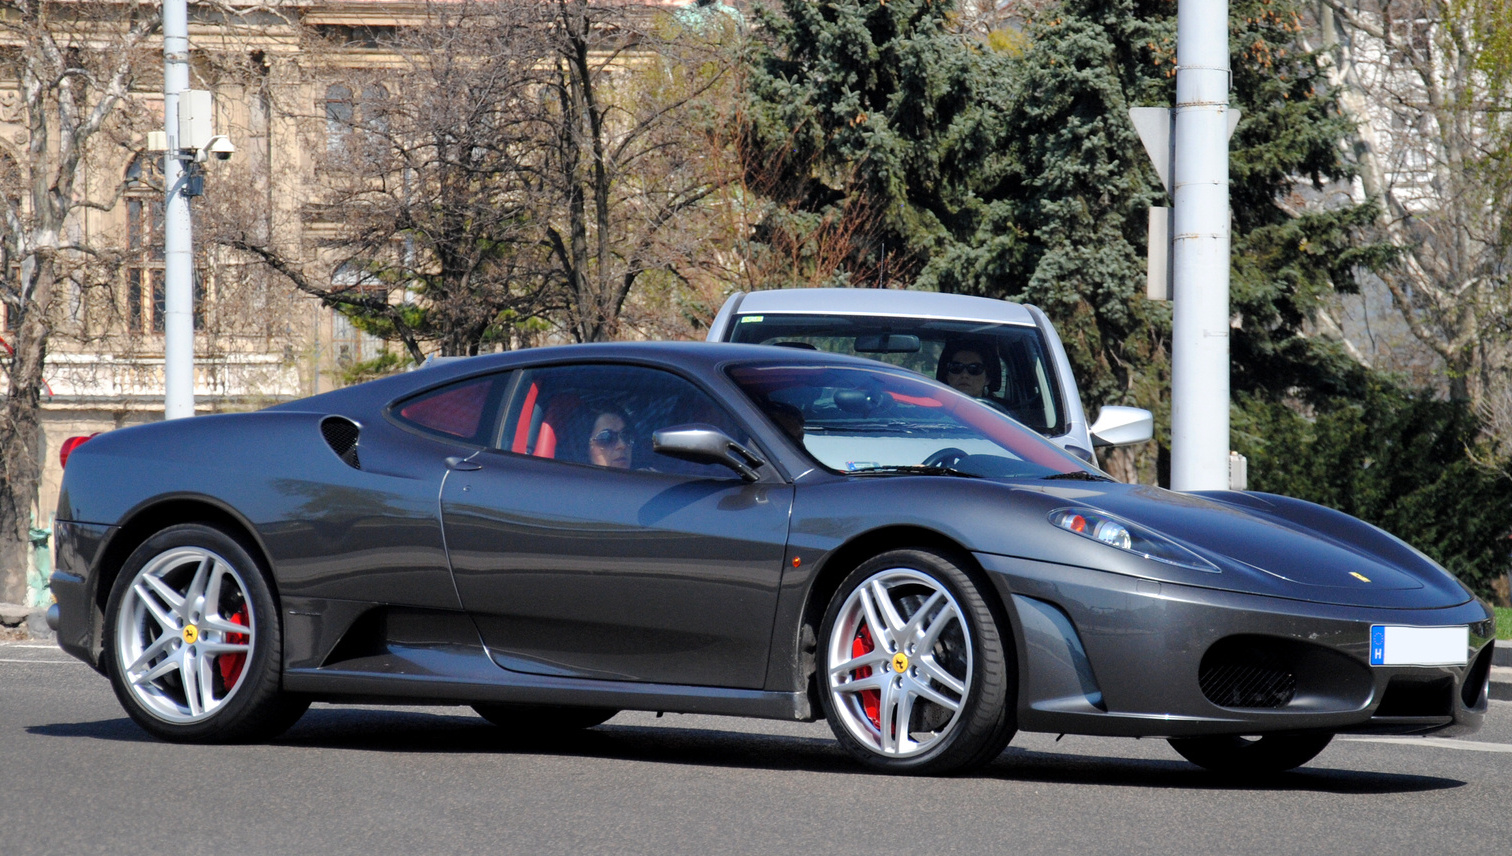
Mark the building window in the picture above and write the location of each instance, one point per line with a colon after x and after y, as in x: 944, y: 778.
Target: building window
x: 346, y: 115
x: 350, y: 343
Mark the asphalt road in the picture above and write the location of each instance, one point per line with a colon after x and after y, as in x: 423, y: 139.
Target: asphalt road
x: 77, y: 777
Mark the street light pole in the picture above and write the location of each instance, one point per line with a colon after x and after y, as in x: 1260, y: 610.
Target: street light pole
x: 1200, y: 250
x: 178, y: 235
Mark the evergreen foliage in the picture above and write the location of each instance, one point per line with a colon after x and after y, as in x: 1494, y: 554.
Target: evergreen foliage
x: 1395, y: 458
x: 1009, y: 168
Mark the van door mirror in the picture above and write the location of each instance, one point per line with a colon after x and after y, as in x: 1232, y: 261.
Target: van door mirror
x: 1122, y: 426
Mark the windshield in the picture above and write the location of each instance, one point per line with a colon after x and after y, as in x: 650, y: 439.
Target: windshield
x: 1012, y: 371
x: 855, y: 419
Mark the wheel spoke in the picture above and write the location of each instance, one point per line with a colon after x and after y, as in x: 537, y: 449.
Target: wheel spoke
x: 935, y: 672
x: 874, y: 657
x: 873, y: 618
x: 174, y: 599
x: 206, y: 681
x: 151, y: 604
x: 889, y: 709
x: 929, y: 693
x: 189, y: 673
x: 884, y: 603
x: 213, y: 592
x: 911, y: 629
x: 217, y: 648
x: 905, y: 703
x: 158, y: 671
x: 221, y: 625
x: 871, y: 682
x: 195, y: 596
x: 158, y: 646
x: 936, y: 627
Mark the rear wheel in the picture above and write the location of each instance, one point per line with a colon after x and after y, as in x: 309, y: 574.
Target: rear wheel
x: 913, y: 669
x: 193, y: 643
x: 522, y: 720
x: 1269, y: 753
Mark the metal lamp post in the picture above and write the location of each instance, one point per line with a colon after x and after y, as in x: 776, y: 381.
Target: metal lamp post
x: 178, y: 230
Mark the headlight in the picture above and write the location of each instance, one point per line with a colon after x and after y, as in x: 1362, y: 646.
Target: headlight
x: 1128, y: 537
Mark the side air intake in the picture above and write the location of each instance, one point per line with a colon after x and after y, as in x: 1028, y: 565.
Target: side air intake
x: 341, y: 435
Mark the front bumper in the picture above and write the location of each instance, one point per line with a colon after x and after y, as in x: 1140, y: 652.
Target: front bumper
x: 1105, y: 653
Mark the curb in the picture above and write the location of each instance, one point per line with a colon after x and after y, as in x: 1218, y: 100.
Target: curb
x: 1501, y: 684
x: 34, y: 621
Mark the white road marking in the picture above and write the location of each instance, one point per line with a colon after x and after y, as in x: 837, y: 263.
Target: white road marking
x: 1440, y: 742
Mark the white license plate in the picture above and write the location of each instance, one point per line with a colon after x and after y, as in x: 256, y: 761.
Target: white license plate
x: 1419, y: 646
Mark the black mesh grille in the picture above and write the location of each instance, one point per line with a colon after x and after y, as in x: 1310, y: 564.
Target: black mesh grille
x: 341, y: 435
x: 1231, y: 684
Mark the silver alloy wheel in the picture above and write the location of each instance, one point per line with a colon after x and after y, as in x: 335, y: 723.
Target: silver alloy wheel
x: 918, y: 671
x: 176, y: 623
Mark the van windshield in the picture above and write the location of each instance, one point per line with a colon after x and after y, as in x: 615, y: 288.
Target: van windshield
x: 1008, y: 362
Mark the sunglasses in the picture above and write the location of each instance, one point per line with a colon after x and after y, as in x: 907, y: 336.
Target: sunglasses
x: 609, y: 437
x: 972, y: 369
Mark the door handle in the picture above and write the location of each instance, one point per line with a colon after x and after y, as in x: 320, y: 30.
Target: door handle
x: 462, y: 464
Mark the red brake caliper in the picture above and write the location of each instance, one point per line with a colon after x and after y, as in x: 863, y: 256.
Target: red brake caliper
x: 871, y: 700
x: 230, y: 665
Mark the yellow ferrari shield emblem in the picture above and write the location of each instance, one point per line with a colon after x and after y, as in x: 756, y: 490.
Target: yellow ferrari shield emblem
x: 900, y: 662
x: 1361, y: 577
x: 191, y: 634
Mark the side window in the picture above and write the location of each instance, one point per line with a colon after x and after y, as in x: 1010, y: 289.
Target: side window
x: 460, y: 411
x: 604, y: 415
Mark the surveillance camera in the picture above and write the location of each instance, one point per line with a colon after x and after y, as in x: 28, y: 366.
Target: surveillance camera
x: 221, y: 147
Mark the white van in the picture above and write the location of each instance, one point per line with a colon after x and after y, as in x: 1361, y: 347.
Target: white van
x: 1031, y: 379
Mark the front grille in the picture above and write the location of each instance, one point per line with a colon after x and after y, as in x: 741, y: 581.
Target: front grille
x: 1238, y: 684
x: 341, y: 435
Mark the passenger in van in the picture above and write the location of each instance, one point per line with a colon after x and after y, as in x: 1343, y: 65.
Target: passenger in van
x: 969, y: 366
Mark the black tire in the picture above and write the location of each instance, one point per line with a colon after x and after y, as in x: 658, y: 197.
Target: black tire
x: 543, y: 720
x: 1267, y: 754
x: 945, y: 645
x: 205, y: 690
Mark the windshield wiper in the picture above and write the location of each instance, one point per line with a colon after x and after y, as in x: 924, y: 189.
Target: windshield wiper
x: 913, y: 470
x: 1079, y: 475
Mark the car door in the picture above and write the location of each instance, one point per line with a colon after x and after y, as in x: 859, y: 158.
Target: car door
x: 619, y: 564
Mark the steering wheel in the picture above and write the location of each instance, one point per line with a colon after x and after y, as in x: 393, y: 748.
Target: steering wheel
x: 946, y: 457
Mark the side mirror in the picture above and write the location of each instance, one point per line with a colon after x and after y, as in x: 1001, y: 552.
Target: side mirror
x: 705, y: 444
x: 1122, y: 426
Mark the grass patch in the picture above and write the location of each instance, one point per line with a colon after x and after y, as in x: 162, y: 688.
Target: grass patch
x: 1503, y: 622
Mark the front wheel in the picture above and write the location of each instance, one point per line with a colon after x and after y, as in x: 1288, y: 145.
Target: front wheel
x: 1232, y: 754
x: 913, y: 670
x: 193, y: 643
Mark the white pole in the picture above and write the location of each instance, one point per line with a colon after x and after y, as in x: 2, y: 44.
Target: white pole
x: 1200, y: 250
x: 178, y: 236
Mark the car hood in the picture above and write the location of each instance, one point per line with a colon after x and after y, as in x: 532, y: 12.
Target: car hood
x: 1270, y: 545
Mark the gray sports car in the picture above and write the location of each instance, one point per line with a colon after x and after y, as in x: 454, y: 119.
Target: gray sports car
x: 556, y: 534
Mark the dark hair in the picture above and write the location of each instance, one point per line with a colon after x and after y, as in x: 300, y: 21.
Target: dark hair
x: 981, y: 346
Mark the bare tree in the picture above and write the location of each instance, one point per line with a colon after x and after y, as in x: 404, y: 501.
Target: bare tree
x: 1431, y: 121
x: 74, y: 64
x: 625, y: 167
x: 422, y: 179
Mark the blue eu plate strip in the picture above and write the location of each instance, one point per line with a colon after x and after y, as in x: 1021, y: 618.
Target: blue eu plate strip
x: 1377, y: 645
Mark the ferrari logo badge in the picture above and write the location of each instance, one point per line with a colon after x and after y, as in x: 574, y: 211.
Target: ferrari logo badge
x: 1359, y: 576
x: 191, y: 634
x: 900, y: 662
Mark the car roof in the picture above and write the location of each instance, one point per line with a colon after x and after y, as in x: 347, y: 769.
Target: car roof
x: 883, y: 302
x: 694, y: 356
